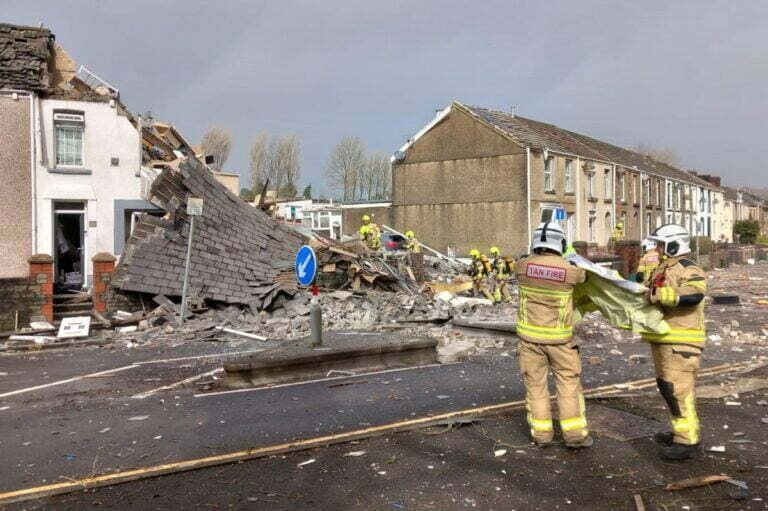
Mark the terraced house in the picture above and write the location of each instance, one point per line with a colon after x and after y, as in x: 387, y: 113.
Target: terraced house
x: 474, y: 177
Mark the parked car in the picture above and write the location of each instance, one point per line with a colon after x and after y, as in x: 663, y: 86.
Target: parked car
x: 391, y: 241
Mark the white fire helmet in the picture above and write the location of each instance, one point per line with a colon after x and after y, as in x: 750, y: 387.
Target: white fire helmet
x: 549, y: 235
x: 648, y: 245
x: 673, y: 238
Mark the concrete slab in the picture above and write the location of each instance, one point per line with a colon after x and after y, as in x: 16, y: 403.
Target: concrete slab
x: 342, y: 351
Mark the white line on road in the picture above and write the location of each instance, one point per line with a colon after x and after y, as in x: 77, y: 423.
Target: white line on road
x: 123, y: 368
x: 176, y: 384
x: 332, y: 378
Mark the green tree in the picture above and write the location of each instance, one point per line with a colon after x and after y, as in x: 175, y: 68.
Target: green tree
x: 247, y: 195
x: 307, y: 193
x: 747, y: 231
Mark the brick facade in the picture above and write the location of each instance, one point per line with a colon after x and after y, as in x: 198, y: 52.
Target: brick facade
x: 103, y: 268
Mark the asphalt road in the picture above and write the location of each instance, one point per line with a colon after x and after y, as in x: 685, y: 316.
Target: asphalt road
x: 93, y: 425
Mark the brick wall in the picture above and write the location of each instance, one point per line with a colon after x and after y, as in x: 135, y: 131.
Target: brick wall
x: 22, y: 296
x: 629, y: 251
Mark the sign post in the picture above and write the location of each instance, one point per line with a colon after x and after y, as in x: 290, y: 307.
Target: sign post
x: 194, y: 208
x: 306, y: 272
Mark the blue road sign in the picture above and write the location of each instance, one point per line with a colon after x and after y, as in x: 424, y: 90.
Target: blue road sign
x: 560, y: 214
x: 306, y: 265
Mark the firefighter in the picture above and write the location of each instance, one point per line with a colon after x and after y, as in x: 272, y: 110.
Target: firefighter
x: 502, y: 267
x: 370, y: 233
x: 678, y: 285
x: 648, y: 262
x: 545, y: 327
x: 618, y: 232
x: 480, y: 271
x: 412, y: 244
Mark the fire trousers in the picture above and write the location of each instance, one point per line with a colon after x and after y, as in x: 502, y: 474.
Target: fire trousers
x: 536, y: 360
x: 501, y: 291
x: 676, y: 368
x: 481, y: 287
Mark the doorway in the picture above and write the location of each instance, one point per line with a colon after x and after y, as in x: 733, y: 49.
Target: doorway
x: 69, y: 244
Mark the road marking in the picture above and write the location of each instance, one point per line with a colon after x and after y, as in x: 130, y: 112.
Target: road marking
x: 181, y: 383
x: 331, y: 378
x: 126, y: 476
x: 123, y: 368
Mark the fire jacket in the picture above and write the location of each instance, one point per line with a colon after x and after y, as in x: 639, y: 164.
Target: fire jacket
x: 545, y: 286
x: 371, y: 235
x: 502, y: 267
x: 648, y: 263
x: 679, y: 286
x: 481, y: 268
x: 412, y: 245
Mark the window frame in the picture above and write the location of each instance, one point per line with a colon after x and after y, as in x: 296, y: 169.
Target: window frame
x: 549, y: 174
x: 65, y: 119
x: 569, y: 176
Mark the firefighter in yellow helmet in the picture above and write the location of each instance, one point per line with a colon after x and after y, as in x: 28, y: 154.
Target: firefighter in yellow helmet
x: 412, y: 244
x: 618, y: 232
x: 480, y: 271
x: 648, y: 262
x: 370, y: 233
x: 545, y: 327
x: 678, y: 285
x: 502, y: 269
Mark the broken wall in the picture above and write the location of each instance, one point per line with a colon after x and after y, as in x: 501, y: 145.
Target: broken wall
x: 237, y: 250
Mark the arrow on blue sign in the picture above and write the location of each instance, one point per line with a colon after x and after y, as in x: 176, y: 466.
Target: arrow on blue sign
x: 306, y: 265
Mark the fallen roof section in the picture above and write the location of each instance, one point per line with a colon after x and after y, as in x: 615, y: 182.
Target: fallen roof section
x: 237, y: 250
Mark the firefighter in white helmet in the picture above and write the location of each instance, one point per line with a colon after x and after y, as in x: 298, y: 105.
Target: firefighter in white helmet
x: 545, y: 327
x: 678, y: 285
x: 648, y: 262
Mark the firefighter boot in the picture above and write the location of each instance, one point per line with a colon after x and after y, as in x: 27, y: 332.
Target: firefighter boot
x: 678, y: 452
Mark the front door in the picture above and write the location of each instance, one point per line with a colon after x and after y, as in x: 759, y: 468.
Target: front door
x: 69, y: 244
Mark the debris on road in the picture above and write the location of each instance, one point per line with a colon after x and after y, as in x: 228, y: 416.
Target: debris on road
x: 697, y: 482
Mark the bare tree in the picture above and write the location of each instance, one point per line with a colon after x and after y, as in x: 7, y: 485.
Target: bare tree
x: 379, y: 172
x: 259, y: 156
x: 287, y: 163
x: 345, y: 167
x: 662, y: 154
x: 217, y: 142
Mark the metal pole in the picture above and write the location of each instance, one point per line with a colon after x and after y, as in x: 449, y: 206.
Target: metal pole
x: 315, y: 319
x: 186, y: 270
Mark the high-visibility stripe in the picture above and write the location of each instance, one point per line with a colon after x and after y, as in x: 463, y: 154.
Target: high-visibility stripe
x: 540, y: 425
x: 698, y: 284
x: 544, y: 332
x: 544, y: 292
x: 675, y: 335
x: 668, y: 296
x: 573, y: 423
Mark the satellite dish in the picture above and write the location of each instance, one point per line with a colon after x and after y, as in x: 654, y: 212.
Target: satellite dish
x: 399, y: 155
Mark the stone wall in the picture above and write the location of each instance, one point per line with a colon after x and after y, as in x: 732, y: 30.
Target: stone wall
x: 22, y: 296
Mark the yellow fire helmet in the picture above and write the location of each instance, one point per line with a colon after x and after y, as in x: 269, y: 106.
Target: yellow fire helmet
x: 494, y: 251
x: 366, y: 218
x: 474, y: 253
x: 409, y: 234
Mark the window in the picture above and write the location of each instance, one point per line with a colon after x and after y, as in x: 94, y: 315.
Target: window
x: 635, y: 191
x: 669, y: 195
x: 568, y: 176
x: 549, y: 182
x: 608, y: 226
x: 68, y: 138
x: 658, y: 193
x: 622, y: 190
x: 648, y: 223
x: 592, y: 219
x: 608, y: 188
x: 647, y: 191
x: 590, y: 184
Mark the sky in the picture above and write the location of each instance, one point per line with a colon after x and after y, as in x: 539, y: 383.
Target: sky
x: 687, y: 75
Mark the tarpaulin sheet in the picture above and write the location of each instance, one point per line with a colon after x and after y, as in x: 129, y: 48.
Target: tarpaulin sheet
x: 622, y: 302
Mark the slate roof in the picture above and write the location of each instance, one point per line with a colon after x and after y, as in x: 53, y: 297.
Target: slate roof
x: 541, y: 135
x: 24, y: 54
x: 237, y: 250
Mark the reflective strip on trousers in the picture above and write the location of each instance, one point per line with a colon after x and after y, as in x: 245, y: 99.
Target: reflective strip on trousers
x: 579, y: 422
x: 544, y: 332
x: 677, y: 336
x: 688, y: 426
